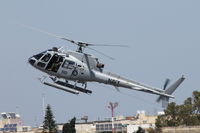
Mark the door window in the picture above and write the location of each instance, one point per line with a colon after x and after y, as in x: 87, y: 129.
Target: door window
x: 68, y: 64
x: 54, y: 63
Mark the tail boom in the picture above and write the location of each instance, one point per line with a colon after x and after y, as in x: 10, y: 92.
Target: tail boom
x: 118, y: 81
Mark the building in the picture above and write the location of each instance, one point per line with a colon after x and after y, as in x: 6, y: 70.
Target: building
x: 122, y: 124
x: 127, y: 124
x: 9, y: 122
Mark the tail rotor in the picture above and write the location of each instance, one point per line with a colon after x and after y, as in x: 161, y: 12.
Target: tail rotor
x: 169, y: 90
x: 163, y: 98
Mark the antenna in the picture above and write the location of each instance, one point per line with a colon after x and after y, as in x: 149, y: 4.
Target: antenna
x: 36, y: 122
x: 17, y: 110
x: 43, y: 104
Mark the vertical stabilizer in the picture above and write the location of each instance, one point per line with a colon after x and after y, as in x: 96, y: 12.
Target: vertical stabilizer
x: 175, y: 85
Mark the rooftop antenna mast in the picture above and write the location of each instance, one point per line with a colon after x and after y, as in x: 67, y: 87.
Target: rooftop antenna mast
x: 43, y: 104
x: 17, y: 110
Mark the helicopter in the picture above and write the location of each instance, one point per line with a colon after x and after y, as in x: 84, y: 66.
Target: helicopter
x: 67, y: 69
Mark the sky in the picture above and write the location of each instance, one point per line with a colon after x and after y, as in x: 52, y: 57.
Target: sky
x: 164, y: 43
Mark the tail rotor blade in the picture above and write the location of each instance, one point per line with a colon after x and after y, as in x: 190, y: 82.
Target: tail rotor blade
x: 167, y: 81
x: 158, y: 99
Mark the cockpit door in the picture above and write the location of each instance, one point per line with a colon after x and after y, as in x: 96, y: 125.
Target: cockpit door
x: 54, y: 63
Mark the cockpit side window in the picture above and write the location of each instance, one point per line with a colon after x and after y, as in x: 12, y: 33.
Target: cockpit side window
x: 46, y: 57
x: 68, y: 64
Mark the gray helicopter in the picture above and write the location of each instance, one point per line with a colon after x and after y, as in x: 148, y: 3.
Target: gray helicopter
x: 67, y: 69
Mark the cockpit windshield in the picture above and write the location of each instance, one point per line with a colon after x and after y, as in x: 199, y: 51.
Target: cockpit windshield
x: 38, y: 56
x: 46, y: 57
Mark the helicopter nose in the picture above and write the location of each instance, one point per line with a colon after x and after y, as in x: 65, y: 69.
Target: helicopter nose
x: 31, y: 61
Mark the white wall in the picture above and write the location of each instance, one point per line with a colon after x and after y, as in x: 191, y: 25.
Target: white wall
x: 133, y: 128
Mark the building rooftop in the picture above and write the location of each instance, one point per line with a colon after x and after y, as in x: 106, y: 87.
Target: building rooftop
x: 9, y: 115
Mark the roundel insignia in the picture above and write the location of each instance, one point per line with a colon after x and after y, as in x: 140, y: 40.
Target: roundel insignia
x: 75, y: 73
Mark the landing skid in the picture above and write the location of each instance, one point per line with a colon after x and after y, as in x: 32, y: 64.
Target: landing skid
x: 73, y: 87
x: 65, y: 86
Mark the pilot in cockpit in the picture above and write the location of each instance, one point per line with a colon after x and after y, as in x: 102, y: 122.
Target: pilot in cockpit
x: 55, y: 66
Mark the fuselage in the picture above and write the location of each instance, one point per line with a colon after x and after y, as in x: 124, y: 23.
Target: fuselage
x: 82, y: 68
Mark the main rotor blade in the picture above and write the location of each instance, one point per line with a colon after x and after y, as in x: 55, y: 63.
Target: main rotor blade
x: 101, y: 53
x: 50, y: 34
x: 78, y: 43
x: 109, y: 45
